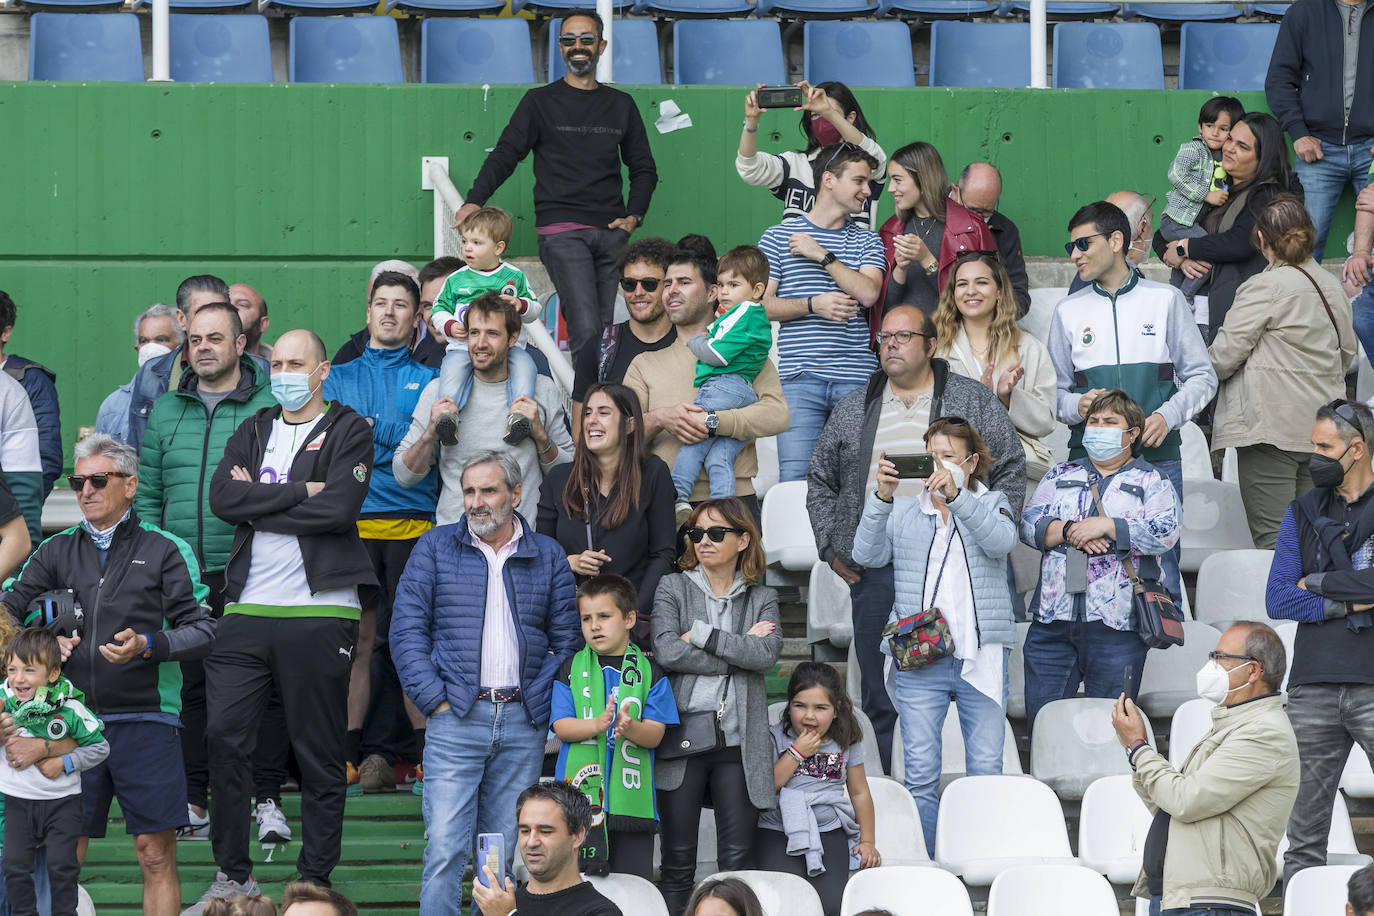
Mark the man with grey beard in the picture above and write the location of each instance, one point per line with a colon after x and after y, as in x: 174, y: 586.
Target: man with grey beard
x: 579, y: 131
x: 483, y: 619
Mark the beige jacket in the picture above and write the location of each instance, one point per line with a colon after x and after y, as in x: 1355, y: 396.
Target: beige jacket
x: 663, y: 378
x: 1228, y: 807
x: 1277, y: 358
x: 1032, y: 400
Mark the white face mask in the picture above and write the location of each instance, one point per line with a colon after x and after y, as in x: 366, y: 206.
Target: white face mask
x: 152, y: 350
x: 1213, y: 682
x: 957, y: 472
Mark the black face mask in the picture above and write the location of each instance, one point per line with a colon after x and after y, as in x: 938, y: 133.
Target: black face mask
x: 1327, y: 472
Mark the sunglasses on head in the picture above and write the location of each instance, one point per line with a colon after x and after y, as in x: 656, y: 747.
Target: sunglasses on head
x: 950, y: 420
x: 649, y: 283
x: 1083, y: 243
x: 586, y: 39
x: 844, y: 145
x: 78, y: 481
x: 1342, y: 409
x: 716, y: 533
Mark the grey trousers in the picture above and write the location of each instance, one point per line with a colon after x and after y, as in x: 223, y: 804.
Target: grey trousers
x: 1327, y: 719
x: 1270, y: 479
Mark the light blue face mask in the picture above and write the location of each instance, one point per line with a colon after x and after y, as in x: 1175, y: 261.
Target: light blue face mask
x: 292, y: 389
x: 1102, y: 443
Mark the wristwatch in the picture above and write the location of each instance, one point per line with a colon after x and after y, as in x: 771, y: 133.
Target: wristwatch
x: 828, y: 259
x: 712, y: 423
x: 1179, y: 250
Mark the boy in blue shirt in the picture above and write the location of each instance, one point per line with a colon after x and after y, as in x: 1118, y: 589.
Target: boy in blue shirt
x: 609, y: 723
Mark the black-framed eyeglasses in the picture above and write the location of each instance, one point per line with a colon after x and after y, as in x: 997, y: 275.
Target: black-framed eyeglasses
x: 716, y: 533
x: 901, y: 337
x: 844, y: 145
x: 586, y: 39
x: 1082, y: 243
x: 78, y: 481
x: 650, y: 284
x: 1214, y: 656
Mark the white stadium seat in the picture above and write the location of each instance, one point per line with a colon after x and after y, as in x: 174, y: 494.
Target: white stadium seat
x: 988, y: 824
x: 893, y: 888
x: 829, y: 611
x: 1074, y: 743
x: 1230, y: 586
x: 952, y: 751
x: 1051, y: 890
x: 1191, y: 722
x: 1197, y: 457
x: 1340, y: 839
x: 631, y: 893
x: 1016, y: 674
x: 787, y: 538
x: 897, y: 823
x: 1288, y: 633
x: 1112, y: 826
x: 1357, y: 780
x: 1317, y: 891
x: 1213, y: 520
x: 780, y: 894
x: 1170, y: 674
x: 766, y: 451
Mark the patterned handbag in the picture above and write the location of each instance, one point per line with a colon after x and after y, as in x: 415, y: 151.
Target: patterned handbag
x: 922, y: 638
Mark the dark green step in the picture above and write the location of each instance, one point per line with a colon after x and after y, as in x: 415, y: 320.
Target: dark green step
x: 381, y: 805
x: 360, y: 847
x: 393, y: 894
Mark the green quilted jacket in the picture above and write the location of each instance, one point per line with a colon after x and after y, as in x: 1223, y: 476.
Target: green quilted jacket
x: 181, y: 449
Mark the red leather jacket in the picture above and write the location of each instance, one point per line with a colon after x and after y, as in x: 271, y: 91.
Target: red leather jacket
x: 964, y: 231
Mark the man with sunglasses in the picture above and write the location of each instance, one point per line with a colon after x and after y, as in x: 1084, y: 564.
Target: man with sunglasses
x: 1121, y: 331
x: 1323, y: 577
x: 1218, y: 819
x: 643, y: 267
x: 145, y: 610
x: 890, y: 414
x: 979, y: 190
x: 580, y: 132
x: 1139, y: 211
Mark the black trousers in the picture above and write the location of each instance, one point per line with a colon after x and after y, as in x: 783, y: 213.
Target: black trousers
x: 679, y: 810
x: 632, y: 853
x: 269, y: 759
x: 386, y: 728
x: 829, y: 884
x: 308, y: 660
x: 29, y: 824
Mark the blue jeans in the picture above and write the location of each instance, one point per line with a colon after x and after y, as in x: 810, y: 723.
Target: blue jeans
x: 1060, y: 654
x: 1173, y: 472
x: 1362, y: 312
x: 475, y: 767
x: 455, y: 375
x: 809, y: 402
x: 1155, y: 910
x: 923, y: 699
x: 871, y: 601
x: 717, y: 453
x: 40, y: 885
x: 1324, y: 180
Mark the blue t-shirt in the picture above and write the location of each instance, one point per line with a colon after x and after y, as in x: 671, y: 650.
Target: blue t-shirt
x: 812, y: 344
x: 659, y: 706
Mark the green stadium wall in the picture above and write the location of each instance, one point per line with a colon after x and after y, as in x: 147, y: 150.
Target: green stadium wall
x: 114, y: 192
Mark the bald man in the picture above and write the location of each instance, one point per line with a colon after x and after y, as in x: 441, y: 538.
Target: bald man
x: 293, y: 480
x: 1140, y: 216
x: 252, y: 309
x: 979, y: 189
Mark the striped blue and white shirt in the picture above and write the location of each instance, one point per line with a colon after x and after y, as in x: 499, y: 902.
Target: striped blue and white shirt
x: 812, y: 344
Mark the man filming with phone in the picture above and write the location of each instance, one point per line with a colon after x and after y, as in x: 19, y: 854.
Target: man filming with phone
x: 890, y: 414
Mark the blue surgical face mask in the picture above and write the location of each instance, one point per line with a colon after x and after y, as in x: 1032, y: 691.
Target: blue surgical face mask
x: 1102, y: 443
x: 292, y: 389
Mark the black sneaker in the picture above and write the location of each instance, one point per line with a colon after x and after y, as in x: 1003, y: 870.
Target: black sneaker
x: 447, y: 428
x: 518, y: 429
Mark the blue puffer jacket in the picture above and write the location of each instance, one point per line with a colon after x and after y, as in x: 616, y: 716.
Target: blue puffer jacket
x: 383, y: 386
x: 903, y: 534
x: 436, y: 622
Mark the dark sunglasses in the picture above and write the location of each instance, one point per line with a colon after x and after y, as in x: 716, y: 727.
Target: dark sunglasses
x: 586, y: 39
x: 1214, y: 655
x: 649, y: 283
x: 716, y: 533
x: 976, y: 253
x: 1083, y: 243
x: 1342, y: 409
x: 950, y: 420
x: 99, y: 481
x: 844, y: 145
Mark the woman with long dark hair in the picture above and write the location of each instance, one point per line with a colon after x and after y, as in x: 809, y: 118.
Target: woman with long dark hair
x: 611, y: 507
x: 1256, y: 161
x: 830, y: 114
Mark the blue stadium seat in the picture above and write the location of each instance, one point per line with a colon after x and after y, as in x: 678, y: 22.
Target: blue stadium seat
x: 679, y: 8
x: 85, y: 46
x: 927, y: 9
x: 1107, y: 55
x: 1276, y: 10
x: 203, y: 6
x: 984, y: 54
x: 1062, y: 10
x: 451, y: 7
x: 324, y: 7
x: 554, y: 7
x: 1226, y: 56
x: 725, y: 52
x: 824, y: 9
x: 634, y: 52
x: 858, y: 53
x: 365, y: 49
x: 476, y: 51
x: 1182, y: 12
x: 220, y: 49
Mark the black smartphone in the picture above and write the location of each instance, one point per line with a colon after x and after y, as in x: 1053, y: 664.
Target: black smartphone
x: 913, y: 466
x: 780, y: 97
x: 1128, y: 681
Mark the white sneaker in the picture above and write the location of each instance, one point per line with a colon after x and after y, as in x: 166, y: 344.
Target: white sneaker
x: 272, y: 826
x: 197, y: 826
x: 222, y: 887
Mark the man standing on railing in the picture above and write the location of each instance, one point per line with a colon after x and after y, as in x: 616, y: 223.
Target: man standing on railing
x: 579, y: 132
